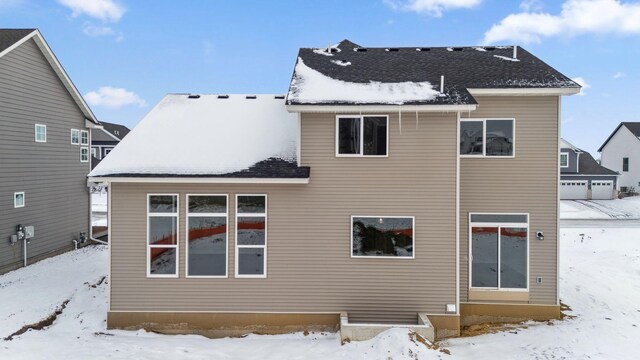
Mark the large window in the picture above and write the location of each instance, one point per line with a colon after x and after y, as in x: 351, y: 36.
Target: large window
x: 564, y: 160
x: 382, y: 236
x: 362, y: 135
x: 207, y: 236
x: 162, y: 235
x: 251, y: 235
x: 487, y: 137
x: 499, y: 251
x: 41, y: 133
x: 625, y: 164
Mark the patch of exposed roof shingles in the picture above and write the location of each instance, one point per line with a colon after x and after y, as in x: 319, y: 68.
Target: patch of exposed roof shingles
x: 589, y: 166
x: 9, y: 37
x: 462, y: 69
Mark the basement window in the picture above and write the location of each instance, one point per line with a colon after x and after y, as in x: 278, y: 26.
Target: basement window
x: 362, y: 135
x: 207, y: 236
x: 162, y: 235
x: 487, y: 137
x: 382, y: 236
x: 251, y: 236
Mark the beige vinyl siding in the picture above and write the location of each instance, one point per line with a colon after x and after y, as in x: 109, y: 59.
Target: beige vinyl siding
x: 50, y: 173
x: 527, y: 183
x: 309, y: 268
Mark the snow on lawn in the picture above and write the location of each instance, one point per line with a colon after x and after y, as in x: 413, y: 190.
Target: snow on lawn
x: 627, y: 208
x: 599, y: 281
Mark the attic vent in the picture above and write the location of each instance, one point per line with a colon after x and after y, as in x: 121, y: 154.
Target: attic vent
x: 457, y: 49
x: 223, y: 96
x: 489, y: 48
x: 360, y: 50
x: 392, y: 49
x: 251, y: 97
x: 423, y: 49
x: 193, y: 96
x: 279, y: 97
x: 333, y: 50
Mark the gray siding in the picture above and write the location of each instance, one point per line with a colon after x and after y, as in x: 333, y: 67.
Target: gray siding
x: 309, y: 263
x: 50, y: 173
x: 527, y: 183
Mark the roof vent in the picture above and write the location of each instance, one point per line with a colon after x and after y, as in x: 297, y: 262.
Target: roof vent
x: 333, y: 50
x: 392, y: 49
x: 223, y: 96
x: 423, y: 49
x: 279, y: 97
x: 360, y: 50
x: 251, y: 97
x: 489, y: 48
x: 193, y: 96
x: 457, y: 49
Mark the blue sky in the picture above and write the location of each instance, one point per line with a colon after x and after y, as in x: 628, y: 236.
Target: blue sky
x: 124, y: 55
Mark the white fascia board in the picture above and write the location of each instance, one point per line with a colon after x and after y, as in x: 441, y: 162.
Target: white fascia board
x: 91, y: 125
x: 378, y: 108
x: 525, y: 91
x: 197, y: 180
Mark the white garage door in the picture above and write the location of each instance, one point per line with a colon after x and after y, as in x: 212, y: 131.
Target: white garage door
x: 573, y: 190
x: 602, y: 190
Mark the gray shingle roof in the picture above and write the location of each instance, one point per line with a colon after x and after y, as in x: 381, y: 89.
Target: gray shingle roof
x: 463, y: 68
x: 9, y: 37
x: 117, y: 130
x: 589, y: 166
x: 634, y: 127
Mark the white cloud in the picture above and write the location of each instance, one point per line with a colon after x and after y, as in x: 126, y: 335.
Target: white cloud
x: 531, y: 5
x: 105, y: 10
x: 114, y: 98
x: 619, y: 75
x: 582, y: 82
x: 93, y: 30
x: 577, y: 17
x: 431, y: 7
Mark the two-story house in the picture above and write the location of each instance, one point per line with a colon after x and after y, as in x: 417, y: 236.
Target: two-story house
x: 105, y: 139
x: 45, y: 136
x: 389, y: 182
x: 582, y: 178
x: 621, y: 152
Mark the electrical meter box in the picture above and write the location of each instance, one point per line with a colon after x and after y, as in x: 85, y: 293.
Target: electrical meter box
x: 29, y: 232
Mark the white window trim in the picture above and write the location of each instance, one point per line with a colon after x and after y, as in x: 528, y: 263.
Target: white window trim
x: 413, y: 224
x: 107, y: 151
x: 77, y: 133
x: 176, y: 246
x: 36, y: 133
x: 94, y: 151
x: 361, y: 117
x: 24, y: 199
x: 82, y: 132
x: 484, y: 139
x: 564, y: 153
x: 226, y: 216
x: 498, y: 224
x: 266, y: 226
x: 81, y: 150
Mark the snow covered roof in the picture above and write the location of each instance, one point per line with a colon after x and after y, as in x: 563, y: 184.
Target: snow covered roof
x: 210, y: 136
x: 412, y: 75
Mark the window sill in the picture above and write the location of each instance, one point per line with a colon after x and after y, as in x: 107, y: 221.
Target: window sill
x: 498, y: 295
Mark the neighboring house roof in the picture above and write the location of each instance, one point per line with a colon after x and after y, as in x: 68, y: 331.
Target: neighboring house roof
x: 12, y: 38
x: 587, y: 165
x: 347, y: 73
x: 116, y: 130
x: 236, y: 136
x: 634, y: 127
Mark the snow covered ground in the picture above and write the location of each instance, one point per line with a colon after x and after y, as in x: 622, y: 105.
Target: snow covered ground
x: 626, y: 209
x: 599, y: 281
x: 99, y: 208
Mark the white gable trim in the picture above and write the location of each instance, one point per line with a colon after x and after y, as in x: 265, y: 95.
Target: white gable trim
x: 328, y: 108
x: 57, y: 68
x: 525, y: 91
x: 196, y: 180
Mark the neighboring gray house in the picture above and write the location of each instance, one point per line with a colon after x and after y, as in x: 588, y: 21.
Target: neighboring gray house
x: 44, y: 151
x: 374, y: 193
x: 621, y: 152
x: 582, y: 178
x: 105, y: 139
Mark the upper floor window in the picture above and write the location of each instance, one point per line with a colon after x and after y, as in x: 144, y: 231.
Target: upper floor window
x: 41, y: 133
x: 84, y: 137
x: 366, y: 135
x: 625, y: 164
x: 487, y: 137
x: 94, y: 152
x: 564, y: 160
x: 84, y: 154
x: 75, y: 136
